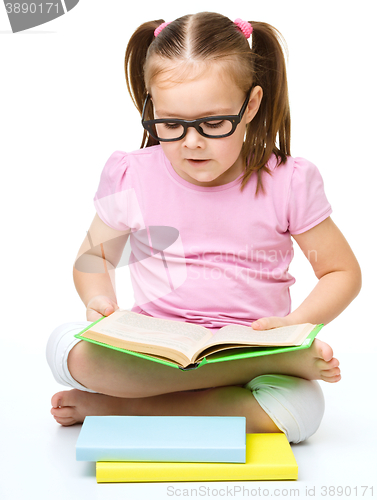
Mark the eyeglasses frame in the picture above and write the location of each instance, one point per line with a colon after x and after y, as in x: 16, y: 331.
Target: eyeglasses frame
x: 234, y: 119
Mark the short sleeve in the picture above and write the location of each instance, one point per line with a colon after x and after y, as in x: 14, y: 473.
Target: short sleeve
x: 115, y: 201
x: 307, y: 201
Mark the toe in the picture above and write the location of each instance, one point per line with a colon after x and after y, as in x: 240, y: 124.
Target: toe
x: 66, y: 411
x: 60, y: 399
x: 65, y: 398
x: 333, y: 363
x: 56, y: 400
x: 332, y: 379
x: 321, y: 364
x: 333, y: 372
x: 331, y: 375
x: 65, y: 421
x: 325, y: 351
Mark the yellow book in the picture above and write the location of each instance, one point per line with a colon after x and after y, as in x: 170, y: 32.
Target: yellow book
x: 268, y: 457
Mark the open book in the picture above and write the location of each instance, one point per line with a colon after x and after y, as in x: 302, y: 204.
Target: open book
x: 187, y: 345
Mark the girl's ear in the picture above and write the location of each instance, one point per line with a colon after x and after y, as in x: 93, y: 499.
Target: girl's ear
x: 254, y: 103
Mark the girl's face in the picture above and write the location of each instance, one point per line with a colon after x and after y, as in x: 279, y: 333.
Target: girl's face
x: 197, y: 159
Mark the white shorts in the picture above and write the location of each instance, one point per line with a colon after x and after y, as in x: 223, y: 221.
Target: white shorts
x: 59, y: 345
x: 294, y: 404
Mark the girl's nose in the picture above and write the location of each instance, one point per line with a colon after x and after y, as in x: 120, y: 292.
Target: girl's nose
x: 193, y: 139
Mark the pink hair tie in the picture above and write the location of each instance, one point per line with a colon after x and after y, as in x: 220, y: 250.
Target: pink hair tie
x: 244, y: 26
x: 158, y: 30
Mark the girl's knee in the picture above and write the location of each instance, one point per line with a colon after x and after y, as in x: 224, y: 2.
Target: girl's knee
x: 78, y: 363
x: 294, y: 404
x: 61, y: 343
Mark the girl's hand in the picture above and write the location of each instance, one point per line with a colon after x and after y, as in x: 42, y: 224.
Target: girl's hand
x: 270, y: 322
x: 99, y: 306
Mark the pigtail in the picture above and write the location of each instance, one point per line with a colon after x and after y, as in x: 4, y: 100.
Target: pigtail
x: 273, y: 117
x: 136, y: 53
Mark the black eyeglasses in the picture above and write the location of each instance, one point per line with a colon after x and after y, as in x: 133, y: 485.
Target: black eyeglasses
x: 213, y: 127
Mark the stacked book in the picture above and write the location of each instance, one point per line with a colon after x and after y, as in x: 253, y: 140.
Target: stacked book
x: 168, y: 449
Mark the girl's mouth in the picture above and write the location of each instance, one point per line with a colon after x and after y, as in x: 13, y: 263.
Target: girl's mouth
x: 197, y: 163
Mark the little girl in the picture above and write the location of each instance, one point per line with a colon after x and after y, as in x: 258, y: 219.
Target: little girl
x: 215, y: 196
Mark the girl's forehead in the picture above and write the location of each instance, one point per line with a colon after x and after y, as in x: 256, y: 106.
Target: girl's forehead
x: 184, y: 77
x: 169, y: 73
x: 191, y: 89
x: 194, y: 99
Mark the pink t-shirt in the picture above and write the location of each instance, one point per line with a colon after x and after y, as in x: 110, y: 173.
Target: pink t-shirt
x: 209, y: 255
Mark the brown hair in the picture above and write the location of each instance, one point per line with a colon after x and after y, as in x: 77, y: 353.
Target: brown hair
x: 206, y: 37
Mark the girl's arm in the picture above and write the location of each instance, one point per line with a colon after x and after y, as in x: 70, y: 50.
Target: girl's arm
x: 338, y: 273
x: 94, y: 267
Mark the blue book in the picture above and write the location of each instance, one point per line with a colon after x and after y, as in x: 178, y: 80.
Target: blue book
x: 162, y: 439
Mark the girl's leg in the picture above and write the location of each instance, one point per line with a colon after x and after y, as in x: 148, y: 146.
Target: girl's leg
x: 70, y: 407
x: 59, y: 345
x: 264, y: 402
x: 117, y: 374
x: 270, y: 403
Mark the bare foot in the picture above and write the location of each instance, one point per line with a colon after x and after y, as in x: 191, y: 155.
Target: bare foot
x: 327, y: 365
x: 315, y: 363
x: 71, y: 407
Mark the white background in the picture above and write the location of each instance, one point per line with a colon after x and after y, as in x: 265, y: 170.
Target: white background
x: 64, y: 108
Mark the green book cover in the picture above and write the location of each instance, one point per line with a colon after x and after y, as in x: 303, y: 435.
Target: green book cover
x: 225, y: 355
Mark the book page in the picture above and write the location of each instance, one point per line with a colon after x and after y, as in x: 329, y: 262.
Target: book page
x: 240, y: 334
x: 145, y: 330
